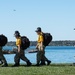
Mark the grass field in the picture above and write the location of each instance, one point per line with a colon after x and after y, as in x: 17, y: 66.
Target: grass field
x: 59, y: 69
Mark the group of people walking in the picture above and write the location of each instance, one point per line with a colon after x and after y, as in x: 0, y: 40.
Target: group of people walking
x: 41, y: 58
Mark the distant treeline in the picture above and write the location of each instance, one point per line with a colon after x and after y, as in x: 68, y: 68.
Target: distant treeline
x: 53, y: 43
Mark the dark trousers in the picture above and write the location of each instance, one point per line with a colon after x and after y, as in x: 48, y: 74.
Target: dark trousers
x: 19, y: 56
x: 2, y: 58
x: 41, y: 55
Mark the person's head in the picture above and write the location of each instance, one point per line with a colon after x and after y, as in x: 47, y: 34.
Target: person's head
x: 38, y: 31
x: 17, y: 34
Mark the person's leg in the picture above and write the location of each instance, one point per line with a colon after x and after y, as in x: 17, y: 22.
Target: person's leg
x: 1, y: 62
x: 3, y: 59
x: 48, y: 61
x: 44, y: 57
x: 24, y: 58
x: 38, y: 58
x: 42, y: 62
x: 17, y: 59
x: 40, y: 55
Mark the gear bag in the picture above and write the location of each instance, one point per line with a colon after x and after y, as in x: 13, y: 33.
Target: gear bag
x: 25, y: 43
x: 47, y: 38
x: 3, y: 40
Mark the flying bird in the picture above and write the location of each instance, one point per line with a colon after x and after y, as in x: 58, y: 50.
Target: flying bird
x: 14, y: 10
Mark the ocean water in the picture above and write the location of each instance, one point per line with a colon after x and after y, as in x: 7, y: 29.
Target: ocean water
x: 57, y: 54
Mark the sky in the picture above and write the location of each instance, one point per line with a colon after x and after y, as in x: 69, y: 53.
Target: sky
x: 54, y: 16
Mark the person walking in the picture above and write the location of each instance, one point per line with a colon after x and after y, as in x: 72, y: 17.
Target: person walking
x: 20, y: 52
x: 41, y: 48
x: 3, y: 41
x: 2, y: 58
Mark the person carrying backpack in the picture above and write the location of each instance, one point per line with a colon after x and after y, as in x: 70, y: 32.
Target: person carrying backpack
x: 41, y: 44
x: 21, y: 43
x: 3, y: 41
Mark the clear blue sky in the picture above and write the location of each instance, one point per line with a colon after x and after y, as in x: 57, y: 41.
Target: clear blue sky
x: 54, y: 16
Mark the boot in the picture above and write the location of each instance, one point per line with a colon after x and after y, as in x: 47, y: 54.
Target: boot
x: 29, y: 63
x: 5, y: 65
x: 48, y: 62
x: 1, y: 62
x: 37, y: 64
x: 42, y: 63
x: 16, y: 65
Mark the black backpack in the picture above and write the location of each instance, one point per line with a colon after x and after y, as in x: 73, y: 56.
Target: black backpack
x: 3, y: 40
x: 25, y: 43
x: 47, y: 38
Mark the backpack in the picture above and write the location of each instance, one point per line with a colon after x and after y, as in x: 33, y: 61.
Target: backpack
x: 25, y: 43
x: 3, y: 40
x: 47, y: 38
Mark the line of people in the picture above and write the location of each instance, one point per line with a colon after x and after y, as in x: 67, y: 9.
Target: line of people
x: 41, y: 58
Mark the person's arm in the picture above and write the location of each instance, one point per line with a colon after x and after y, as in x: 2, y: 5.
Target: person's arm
x: 41, y: 44
x: 37, y: 46
x: 19, y: 48
x: 18, y: 43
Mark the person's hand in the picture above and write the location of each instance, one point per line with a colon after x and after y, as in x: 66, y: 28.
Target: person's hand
x: 36, y: 47
x: 18, y: 51
x: 42, y: 49
x: 9, y: 52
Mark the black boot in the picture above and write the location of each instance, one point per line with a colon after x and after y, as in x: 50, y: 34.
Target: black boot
x: 1, y: 62
x: 29, y: 63
x: 16, y: 65
x: 48, y: 62
x: 5, y: 65
x: 42, y: 63
x: 37, y: 64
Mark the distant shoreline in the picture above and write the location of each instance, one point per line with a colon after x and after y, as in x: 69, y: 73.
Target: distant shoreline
x: 53, y: 43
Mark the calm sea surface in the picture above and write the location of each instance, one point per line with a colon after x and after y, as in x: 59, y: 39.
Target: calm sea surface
x: 57, y: 54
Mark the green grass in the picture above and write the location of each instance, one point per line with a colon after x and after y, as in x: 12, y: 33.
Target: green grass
x: 54, y: 69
